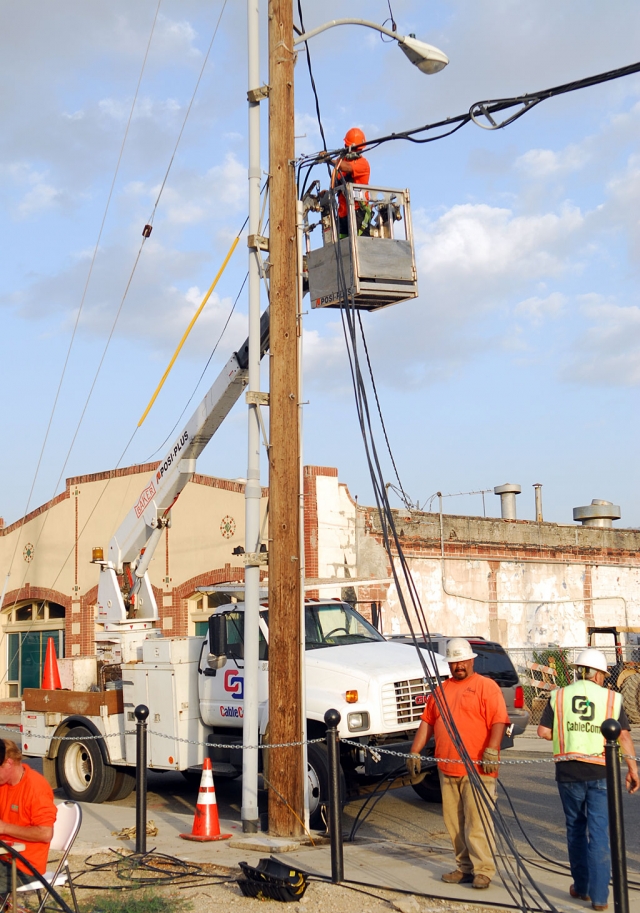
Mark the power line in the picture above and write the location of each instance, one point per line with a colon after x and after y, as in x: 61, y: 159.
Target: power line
x: 88, y: 279
x: 486, y: 109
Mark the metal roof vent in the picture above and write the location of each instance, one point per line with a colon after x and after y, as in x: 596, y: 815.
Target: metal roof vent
x: 508, y: 494
x: 598, y: 513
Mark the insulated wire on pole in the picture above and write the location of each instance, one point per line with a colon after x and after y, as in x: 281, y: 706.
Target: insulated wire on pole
x: 486, y: 110
x: 87, y: 281
x: 517, y: 882
x: 145, y: 236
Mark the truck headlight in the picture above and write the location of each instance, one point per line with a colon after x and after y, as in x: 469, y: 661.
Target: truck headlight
x: 358, y: 721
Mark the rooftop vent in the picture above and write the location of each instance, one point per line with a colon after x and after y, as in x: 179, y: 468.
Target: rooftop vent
x: 508, y: 494
x: 598, y: 513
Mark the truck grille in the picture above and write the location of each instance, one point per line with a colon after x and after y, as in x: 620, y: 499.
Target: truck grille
x: 403, y: 702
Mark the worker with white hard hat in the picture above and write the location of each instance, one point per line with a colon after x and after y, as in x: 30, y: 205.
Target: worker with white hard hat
x: 479, y: 713
x: 572, y: 720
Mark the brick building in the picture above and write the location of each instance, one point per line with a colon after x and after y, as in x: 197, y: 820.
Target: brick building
x: 521, y: 582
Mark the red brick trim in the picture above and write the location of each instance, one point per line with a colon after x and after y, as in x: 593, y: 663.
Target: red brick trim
x: 36, y: 593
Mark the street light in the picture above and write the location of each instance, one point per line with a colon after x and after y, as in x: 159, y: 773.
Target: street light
x: 425, y: 57
x: 286, y: 630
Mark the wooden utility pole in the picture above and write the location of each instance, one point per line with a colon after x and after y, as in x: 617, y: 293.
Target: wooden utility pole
x: 286, y: 802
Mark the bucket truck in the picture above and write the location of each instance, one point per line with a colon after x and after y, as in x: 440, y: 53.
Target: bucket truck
x: 193, y: 686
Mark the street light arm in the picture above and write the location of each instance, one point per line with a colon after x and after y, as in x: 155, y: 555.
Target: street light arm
x: 329, y: 25
x: 424, y: 56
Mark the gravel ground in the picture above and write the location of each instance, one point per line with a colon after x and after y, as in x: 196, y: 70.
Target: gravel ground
x: 223, y: 893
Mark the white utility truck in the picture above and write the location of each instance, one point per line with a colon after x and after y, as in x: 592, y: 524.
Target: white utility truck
x: 193, y: 686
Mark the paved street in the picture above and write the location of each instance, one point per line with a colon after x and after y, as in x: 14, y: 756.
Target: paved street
x: 403, y: 817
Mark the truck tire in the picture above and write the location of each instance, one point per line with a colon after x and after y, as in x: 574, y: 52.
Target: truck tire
x: 124, y: 785
x: 318, y: 774
x: 631, y: 697
x: 82, y: 772
x: 429, y: 788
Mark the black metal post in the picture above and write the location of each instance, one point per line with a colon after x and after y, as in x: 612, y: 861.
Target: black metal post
x: 141, y: 714
x: 332, y: 718
x: 610, y: 729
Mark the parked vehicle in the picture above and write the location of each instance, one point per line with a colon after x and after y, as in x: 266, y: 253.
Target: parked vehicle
x: 493, y: 661
x: 195, y: 696
x: 624, y: 674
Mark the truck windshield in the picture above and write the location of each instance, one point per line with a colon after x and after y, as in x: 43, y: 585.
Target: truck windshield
x: 333, y: 624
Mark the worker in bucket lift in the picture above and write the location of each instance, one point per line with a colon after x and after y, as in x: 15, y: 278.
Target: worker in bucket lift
x: 572, y: 720
x: 479, y: 714
x: 27, y: 814
x: 352, y: 167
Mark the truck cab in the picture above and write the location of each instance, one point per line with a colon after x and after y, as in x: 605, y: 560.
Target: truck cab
x: 349, y: 666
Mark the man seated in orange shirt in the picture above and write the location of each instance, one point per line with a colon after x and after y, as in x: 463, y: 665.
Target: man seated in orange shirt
x: 479, y: 713
x: 27, y: 814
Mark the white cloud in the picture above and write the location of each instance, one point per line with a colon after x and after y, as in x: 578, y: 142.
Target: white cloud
x: 471, y: 244
x: 609, y: 351
x: 537, y: 309
x: 544, y: 163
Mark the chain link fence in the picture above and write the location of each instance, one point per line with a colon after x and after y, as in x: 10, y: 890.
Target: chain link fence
x: 542, y: 669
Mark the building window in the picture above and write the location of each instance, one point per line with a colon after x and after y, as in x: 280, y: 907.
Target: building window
x: 28, y: 627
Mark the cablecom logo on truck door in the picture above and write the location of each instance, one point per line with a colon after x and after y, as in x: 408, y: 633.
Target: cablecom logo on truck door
x: 234, y: 684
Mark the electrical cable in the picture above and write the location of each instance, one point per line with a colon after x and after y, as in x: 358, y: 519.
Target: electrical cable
x: 301, y: 192
x: 394, y: 27
x: 145, y: 236
x: 204, y: 371
x: 380, y: 416
x: 139, y: 870
x: 516, y: 879
x: 486, y: 109
x: 186, y: 116
x: 87, y: 281
x: 312, y: 80
x: 358, y: 821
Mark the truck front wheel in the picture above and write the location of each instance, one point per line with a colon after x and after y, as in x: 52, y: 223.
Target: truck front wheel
x: 82, y: 772
x: 318, y: 774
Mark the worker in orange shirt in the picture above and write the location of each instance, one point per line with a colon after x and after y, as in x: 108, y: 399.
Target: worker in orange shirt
x: 480, y: 716
x: 354, y: 168
x: 27, y: 814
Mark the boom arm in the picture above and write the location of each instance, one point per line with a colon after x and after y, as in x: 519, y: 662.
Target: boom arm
x: 131, y: 548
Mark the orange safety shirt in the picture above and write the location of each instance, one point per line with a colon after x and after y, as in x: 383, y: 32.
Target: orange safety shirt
x: 28, y: 804
x: 476, y: 704
x: 357, y: 171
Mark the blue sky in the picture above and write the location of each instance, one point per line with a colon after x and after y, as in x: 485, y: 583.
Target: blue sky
x: 518, y: 362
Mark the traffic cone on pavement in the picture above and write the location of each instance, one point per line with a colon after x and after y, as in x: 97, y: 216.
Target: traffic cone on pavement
x: 51, y: 676
x: 206, y: 825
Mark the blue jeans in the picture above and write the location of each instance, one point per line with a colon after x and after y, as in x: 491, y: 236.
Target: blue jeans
x: 587, y: 817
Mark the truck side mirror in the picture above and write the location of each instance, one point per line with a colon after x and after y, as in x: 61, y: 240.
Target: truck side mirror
x: 217, y: 657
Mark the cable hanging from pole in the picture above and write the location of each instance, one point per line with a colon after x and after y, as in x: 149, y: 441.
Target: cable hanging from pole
x: 481, y: 111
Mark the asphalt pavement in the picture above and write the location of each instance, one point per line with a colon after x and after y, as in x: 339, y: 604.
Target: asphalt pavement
x: 401, y: 844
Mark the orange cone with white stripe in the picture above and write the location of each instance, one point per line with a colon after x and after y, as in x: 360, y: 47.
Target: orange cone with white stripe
x: 206, y: 825
x: 51, y: 676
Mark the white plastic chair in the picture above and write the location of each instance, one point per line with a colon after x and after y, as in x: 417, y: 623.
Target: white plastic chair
x: 65, y: 831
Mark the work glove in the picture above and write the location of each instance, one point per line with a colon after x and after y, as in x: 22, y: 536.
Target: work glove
x: 351, y: 156
x: 414, y: 766
x: 490, y: 760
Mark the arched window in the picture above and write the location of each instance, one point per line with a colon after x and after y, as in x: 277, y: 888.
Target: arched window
x: 28, y: 627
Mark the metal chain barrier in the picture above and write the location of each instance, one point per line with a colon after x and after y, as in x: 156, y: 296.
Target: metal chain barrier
x: 374, y: 750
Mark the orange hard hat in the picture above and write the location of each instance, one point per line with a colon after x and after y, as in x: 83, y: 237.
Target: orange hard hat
x: 354, y: 137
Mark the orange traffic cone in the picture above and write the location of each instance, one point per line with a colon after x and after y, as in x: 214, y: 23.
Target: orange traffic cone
x: 206, y: 825
x: 51, y: 676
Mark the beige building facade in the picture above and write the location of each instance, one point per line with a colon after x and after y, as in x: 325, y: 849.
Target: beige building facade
x: 520, y: 582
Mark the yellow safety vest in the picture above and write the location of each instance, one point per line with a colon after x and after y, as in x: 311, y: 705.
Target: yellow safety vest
x: 579, y: 709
